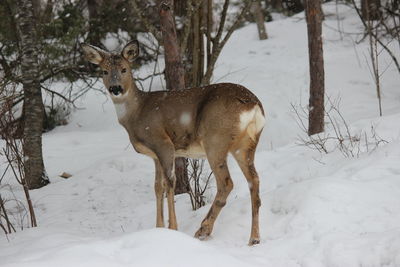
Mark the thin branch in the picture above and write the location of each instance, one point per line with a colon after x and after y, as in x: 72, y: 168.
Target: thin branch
x: 376, y: 37
x: 149, y: 76
x: 222, y: 22
x: 217, y: 46
x: 58, y: 94
x: 155, y: 68
x: 147, y: 24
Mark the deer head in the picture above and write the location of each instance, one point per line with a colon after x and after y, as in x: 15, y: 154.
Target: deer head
x: 117, y: 76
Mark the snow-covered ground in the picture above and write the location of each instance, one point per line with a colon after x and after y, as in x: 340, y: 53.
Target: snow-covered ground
x: 317, y: 209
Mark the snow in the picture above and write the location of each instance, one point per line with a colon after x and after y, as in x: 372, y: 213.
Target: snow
x: 317, y: 209
x: 185, y: 118
x: 143, y: 248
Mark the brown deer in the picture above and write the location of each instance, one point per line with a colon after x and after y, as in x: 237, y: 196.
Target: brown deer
x: 209, y: 121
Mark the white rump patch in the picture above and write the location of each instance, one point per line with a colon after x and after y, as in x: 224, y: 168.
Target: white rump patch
x: 253, y: 120
x: 245, y: 118
x: 185, y: 118
x: 121, y: 110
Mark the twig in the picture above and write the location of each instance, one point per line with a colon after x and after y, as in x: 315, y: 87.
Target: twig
x: 376, y: 37
x: 149, y: 26
x: 58, y: 94
x: 155, y: 68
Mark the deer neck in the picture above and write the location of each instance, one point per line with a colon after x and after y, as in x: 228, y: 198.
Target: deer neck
x: 127, y: 104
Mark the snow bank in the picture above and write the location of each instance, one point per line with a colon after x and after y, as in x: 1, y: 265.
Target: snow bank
x: 156, y: 247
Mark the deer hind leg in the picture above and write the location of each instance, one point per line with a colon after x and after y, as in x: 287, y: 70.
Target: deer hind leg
x: 244, y: 155
x: 165, y: 155
x: 159, y: 190
x: 218, y: 164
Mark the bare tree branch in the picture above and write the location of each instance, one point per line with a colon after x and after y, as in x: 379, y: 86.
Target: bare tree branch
x: 217, y: 45
x: 149, y: 26
x: 391, y: 54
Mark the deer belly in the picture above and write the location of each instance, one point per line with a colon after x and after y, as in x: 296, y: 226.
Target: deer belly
x: 142, y: 149
x: 195, y: 151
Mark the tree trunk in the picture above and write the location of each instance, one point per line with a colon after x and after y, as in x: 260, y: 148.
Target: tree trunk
x: 175, y: 78
x: 316, y: 61
x: 174, y: 71
x: 196, y: 50
x: 35, y: 173
x: 259, y: 18
x: 370, y: 9
x: 48, y: 12
x: 36, y: 9
x: 94, y: 35
x: 275, y: 4
x: 296, y: 6
x: 209, y: 26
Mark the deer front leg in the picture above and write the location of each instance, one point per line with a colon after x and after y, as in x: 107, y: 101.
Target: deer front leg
x: 165, y: 153
x: 159, y: 190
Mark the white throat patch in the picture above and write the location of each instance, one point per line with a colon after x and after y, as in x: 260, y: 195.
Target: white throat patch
x: 120, y: 108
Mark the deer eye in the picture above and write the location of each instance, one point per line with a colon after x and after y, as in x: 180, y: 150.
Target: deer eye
x: 105, y: 72
x: 123, y: 70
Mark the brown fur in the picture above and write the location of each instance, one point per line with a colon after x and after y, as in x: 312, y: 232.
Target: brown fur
x: 209, y: 121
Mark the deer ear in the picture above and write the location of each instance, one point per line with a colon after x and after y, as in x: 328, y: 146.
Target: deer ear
x: 93, y: 54
x: 131, y: 50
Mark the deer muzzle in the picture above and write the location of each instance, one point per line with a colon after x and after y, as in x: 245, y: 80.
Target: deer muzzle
x: 115, y: 90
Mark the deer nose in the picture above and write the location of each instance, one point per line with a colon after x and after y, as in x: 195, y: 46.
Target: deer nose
x: 115, y: 90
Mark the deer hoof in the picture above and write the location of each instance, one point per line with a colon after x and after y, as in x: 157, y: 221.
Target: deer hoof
x: 254, y: 241
x: 203, y: 233
x: 173, y: 226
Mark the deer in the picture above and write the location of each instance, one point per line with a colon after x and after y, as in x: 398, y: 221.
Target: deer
x: 209, y: 121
